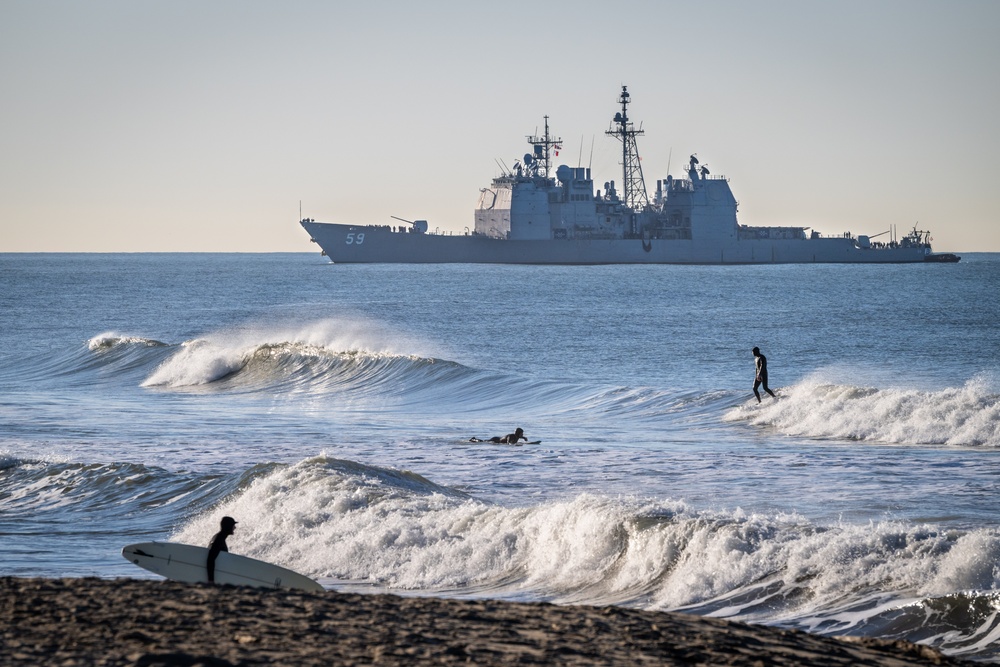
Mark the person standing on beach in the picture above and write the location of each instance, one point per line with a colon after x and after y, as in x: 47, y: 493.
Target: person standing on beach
x: 226, y: 528
x: 761, y: 378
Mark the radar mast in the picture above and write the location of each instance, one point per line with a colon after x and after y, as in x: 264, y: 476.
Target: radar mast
x: 541, y: 156
x: 633, y: 185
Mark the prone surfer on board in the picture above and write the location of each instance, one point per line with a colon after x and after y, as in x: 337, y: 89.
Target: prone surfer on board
x: 226, y: 528
x: 509, y: 439
x: 761, y: 377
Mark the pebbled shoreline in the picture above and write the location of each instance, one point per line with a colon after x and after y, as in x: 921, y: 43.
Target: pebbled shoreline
x: 93, y: 621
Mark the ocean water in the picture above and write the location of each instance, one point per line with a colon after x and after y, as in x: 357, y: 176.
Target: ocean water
x: 329, y: 409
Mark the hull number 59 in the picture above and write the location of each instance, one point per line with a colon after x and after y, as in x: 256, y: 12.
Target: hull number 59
x: 355, y: 239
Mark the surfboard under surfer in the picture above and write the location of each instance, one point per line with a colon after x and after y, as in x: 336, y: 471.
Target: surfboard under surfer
x: 226, y: 528
x: 760, y: 380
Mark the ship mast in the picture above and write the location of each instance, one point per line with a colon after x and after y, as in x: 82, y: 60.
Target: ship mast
x: 633, y: 185
x: 542, y: 155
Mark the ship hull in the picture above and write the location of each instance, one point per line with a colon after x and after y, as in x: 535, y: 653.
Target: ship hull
x: 358, y: 244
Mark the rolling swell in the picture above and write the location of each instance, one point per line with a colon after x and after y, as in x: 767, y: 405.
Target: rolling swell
x: 367, y: 374
x: 358, y: 370
x: 65, y: 490
x: 106, y: 357
x: 356, y: 375
x: 394, y: 529
x: 79, y: 515
x: 291, y: 366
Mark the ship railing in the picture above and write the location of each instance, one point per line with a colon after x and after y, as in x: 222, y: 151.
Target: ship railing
x: 820, y: 235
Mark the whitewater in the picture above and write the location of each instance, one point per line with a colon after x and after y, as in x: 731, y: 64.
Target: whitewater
x: 330, y: 410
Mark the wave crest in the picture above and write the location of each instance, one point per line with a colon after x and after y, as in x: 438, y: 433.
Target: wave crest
x: 110, y: 340
x: 395, y: 529
x: 325, y: 353
x: 287, y: 364
x: 392, y: 528
x: 965, y: 416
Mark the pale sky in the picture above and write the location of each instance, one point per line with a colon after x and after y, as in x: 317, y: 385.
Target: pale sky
x: 186, y: 125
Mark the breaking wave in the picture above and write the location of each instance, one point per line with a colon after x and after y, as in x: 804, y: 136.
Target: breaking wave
x: 252, y: 357
x: 367, y: 367
x: 348, y: 522
x: 362, y: 364
x: 357, y: 526
x: 111, y: 340
x: 963, y: 416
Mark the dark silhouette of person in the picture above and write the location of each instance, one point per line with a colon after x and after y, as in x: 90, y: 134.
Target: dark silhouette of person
x: 226, y: 528
x: 513, y: 438
x: 509, y: 439
x: 761, y: 378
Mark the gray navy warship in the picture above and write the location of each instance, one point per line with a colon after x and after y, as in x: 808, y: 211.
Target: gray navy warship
x: 527, y: 216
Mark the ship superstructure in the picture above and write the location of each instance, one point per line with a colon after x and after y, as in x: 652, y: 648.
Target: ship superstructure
x: 529, y: 216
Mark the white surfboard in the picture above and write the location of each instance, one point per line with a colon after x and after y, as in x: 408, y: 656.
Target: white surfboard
x: 188, y: 563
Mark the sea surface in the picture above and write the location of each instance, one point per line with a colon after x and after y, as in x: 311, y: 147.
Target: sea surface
x: 329, y: 409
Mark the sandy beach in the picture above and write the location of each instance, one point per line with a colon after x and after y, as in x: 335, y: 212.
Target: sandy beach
x: 141, y: 622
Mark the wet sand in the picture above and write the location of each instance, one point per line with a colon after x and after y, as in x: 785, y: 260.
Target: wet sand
x: 142, y: 622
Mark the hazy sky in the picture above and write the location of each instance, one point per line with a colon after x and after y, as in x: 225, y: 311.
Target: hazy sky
x: 200, y: 125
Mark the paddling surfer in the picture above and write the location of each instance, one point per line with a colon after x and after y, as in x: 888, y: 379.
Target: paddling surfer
x: 512, y: 438
x: 509, y: 439
x: 760, y: 380
x: 226, y: 528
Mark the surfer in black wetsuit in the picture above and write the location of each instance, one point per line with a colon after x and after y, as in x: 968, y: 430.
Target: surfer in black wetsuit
x: 226, y: 528
x: 761, y: 378
x: 513, y: 438
x: 509, y: 439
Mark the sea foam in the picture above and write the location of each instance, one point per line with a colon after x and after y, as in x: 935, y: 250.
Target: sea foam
x: 966, y: 416
x: 111, y: 339
x: 347, y: 521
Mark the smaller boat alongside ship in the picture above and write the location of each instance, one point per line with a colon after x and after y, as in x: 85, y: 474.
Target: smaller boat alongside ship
x: 529, y: 216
